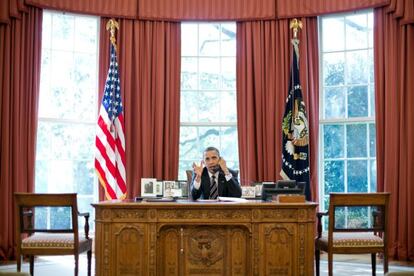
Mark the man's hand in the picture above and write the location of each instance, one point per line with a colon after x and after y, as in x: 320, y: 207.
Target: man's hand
x: 223, y: 166
x: 198, y: 170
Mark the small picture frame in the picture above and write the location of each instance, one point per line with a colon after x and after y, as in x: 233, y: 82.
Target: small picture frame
x: 184, y: 188
x: 159, y: 188
x: 248, y: 192
x: 258, y: 189
x: 148, y: 187
x: 169, y: 187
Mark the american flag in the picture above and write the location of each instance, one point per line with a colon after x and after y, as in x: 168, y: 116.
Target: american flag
x: 110, y: 138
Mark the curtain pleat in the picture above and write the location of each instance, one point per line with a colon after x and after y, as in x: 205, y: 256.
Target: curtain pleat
x: 110, y: 8
x: 20, y: 49
x: 305, y: 8
x: 178, y: 10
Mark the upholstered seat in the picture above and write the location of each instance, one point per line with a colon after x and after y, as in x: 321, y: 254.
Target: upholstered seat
x: 57, y: 241
x: 354, y: 240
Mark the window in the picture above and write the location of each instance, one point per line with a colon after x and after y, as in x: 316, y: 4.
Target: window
x: 347, y: 109
x: 67, y: 111
x: 208, y: 93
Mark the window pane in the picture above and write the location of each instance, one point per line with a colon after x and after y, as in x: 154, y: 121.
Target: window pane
x: 228, y: 73
x: 356, y: 31
x: 334, y: 102
x: 189, y: 145
x: 84, y: 40
x: 334, y: 176
x: 358, y: 101
x: 209, y: 42
x: 357, y: 176
x: 357, y: 67
x: 209, y: 76
x: 209, y: 107
x: 356, y: 136
x: 373, y: 171
x: 228, y: 108
x: 372, y: 100
x: 372, y: 141
x: 189, y: 45
x: 189, y: 75
x: 333, y: 141
x: 60, y: 217
x: 229, y: 144
x: 357, y: 217
x: 228, y: 39
x: 333, y: 69
x: 209, y: 136
x: 333, y: 39
x: 62, y: 31
x: 189, y: 106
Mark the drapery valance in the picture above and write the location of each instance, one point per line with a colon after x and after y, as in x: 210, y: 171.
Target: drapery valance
x: 207, y: 10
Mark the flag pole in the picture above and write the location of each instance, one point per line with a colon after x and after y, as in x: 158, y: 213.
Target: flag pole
x: 110, y: 159
x: 295, y: 128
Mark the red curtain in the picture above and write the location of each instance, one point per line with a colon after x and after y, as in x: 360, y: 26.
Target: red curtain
x: 394, y: 88
x: 301, y: 8
x: 149, y: 58
x: 263, y: 70
x: 179, y: 10
x: 20, y: 48
x: 110, y: 8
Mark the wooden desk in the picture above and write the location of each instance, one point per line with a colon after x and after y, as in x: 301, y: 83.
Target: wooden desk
x: 199, y: 238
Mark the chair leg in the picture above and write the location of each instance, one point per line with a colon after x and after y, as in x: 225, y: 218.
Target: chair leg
x: 330, y: 263
x: 76, y: 264
x: 89, y: 254
x: 374, y: 263
x: 19, y: 261
x: 31, y: 265
x: 385, y: 262
x: 317, y: 261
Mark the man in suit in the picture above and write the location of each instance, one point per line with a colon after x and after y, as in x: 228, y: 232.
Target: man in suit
x: 212, y: 178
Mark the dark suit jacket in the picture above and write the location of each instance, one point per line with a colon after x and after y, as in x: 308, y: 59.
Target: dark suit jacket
x: 229, y: 188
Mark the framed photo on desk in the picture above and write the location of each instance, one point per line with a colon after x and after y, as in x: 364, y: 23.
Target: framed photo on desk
x: 148, y: 187
x: 248, y: 192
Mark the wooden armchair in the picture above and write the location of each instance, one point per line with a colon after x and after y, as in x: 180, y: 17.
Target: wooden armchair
x: 345, y: 236
x: 34, y: 241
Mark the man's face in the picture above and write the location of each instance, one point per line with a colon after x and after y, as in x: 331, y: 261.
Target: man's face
x: 211, y: 159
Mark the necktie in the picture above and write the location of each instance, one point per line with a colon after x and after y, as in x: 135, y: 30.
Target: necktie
x: 213, y: 188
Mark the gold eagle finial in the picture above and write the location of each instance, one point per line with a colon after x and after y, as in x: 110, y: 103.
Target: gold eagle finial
x: 112, y: 25
x: 295, y: 24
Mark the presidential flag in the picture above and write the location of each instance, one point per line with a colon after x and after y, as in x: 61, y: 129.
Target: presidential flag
x: 110, y: 138
x: 295, y: 140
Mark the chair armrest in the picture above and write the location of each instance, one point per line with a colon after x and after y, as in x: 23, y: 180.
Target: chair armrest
x: 377, y: 222
x: 319, y: 216
x: 28, y: 214
x: 86, y: 215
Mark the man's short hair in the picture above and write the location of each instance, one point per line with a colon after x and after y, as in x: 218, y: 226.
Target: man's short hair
x: 212, y: 149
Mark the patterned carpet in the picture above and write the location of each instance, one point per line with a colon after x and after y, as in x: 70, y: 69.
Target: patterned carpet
x: 343, y: 266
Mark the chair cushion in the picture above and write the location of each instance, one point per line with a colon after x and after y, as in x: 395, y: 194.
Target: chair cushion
x: 354, y: 239
x: 62, y: 241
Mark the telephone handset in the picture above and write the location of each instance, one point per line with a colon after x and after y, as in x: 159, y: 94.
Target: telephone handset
x: 216, y: 168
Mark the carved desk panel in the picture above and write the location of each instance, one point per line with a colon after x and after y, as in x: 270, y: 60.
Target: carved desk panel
x: 199, y: 238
